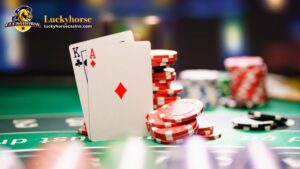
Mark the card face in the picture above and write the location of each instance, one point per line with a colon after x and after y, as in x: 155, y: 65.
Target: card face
x: 120, y: 90
x: 78, y: 53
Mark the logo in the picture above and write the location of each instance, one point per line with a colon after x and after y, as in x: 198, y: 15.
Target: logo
x: 22, y: 19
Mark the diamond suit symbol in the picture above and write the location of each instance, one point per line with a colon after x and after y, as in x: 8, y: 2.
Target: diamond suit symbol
x: 120, y: 90
x: 93, y: 63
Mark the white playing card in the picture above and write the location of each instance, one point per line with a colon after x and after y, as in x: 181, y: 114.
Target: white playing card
x: 78, y: 56
x: 120, y: 90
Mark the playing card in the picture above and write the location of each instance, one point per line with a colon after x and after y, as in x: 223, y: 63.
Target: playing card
x: 120, y: 90
x: 78, y: 52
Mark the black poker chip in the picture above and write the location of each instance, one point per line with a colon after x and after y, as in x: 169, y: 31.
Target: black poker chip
x: 245, y: 123
x: 280, y: 120
x: 158, y: 69
x: 249, y: 128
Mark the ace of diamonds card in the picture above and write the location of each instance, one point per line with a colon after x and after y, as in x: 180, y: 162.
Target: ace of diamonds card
x: 119, y: 89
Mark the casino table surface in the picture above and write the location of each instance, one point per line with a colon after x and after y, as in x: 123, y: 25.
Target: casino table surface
x: 33, y: 115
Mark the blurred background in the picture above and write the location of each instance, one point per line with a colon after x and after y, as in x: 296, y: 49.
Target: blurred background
x: 204, y: 32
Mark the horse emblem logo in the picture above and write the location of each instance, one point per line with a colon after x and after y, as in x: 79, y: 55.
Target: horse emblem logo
x: 22, y: 19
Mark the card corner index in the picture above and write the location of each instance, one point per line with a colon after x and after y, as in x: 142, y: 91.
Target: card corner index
x: 71, y: 46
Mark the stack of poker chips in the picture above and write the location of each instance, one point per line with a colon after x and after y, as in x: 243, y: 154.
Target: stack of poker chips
x: 175, y: 121
x: 201, y: 84
x: 259, y: 121
x: 162, y: 77
x: 247, y: 81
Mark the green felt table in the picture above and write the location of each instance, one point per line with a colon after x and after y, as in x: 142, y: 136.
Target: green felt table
x: 51, y: 108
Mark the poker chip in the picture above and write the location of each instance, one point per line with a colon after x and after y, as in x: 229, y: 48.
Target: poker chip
x: 255, y: 115
x: 180, y: 117
x: 162, y: 54
x: 162, y: 84
x: 163, y: 71
x: 205, y: 132
x: 162, y: 81
x: 163, y: 60
x: 204, y: 125
x: 153, y: 120
x: 180, y: 141
x: 148, y: 126
x: 181, y: 110
x: 164, y: 100
x: 82, y: 130
x: 158, y: 69
x: 247, y: 84
x: 158, y: 87
x: 156, y: 106
x: 243, y: 61
x: 260, y: 128
x: 246, y: 123
x: 167, y: 72
x: 173, y: 132
x: 173, y: 138
x: 162, y: 103
x: 155, y: 64
x: 156, y: 95
x: 214, y: 136
x: 163, y: 76
x: 174, y: 89
x: 201, y: 84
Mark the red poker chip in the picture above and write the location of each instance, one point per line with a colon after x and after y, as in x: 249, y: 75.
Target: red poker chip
x: 243, y: 62
x: 204, y: 125
x: 173, y: 90
x: 214, y: 136
x: 82, y: 130
x: 154, y: 120
x: 163, y: 60
x: 163, y: 53
x: 163, y: 81
x: 163, y: 98
x: 160, y: 101
x: 157, y: 87
x: 156, y: 106
x: 156, y: 64
x: 148, y: 126
x: 205, y: 132
x: 155, y: 94
x: 159, y: 105
x: 180, y: 141
x: 173, y: 132
x: 164, y: 95
x: 181, y: 110
x: 164, y: 103
x: 166, y: 70
x: 164, y: 75
x: 173, y: 138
